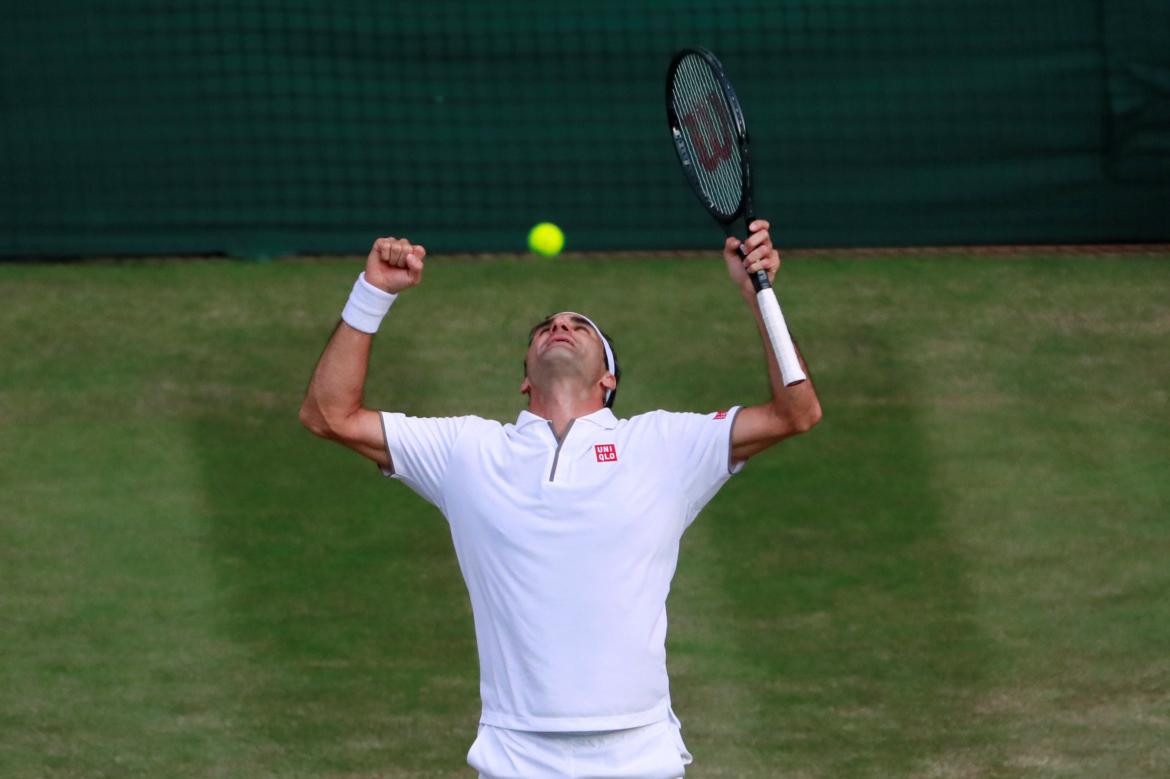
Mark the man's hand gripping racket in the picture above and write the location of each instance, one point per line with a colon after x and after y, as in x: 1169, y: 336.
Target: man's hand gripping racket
x: 710, y: 136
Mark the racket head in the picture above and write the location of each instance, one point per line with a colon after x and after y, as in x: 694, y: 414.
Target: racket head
x: 709, y: 133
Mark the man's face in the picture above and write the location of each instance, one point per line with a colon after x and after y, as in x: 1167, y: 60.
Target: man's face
x: 564, y: 344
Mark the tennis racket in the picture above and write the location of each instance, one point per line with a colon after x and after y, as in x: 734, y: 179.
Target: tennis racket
x: 711, y: 139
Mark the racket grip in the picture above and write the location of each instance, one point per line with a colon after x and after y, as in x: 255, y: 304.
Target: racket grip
x: 790, y: 371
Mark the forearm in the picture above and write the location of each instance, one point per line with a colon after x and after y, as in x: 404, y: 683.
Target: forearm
x: 796, y: 405
x: 336, y: 389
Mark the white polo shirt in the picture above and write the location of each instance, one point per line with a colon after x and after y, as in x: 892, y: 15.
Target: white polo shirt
x: 568, y: 549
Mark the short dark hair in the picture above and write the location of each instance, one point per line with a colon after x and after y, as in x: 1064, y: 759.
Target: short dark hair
x: 617, y: 368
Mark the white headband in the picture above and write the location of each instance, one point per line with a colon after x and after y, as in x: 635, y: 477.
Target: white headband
x: 609, y: 361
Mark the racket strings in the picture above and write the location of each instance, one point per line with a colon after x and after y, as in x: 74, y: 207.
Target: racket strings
x: 707, y: 131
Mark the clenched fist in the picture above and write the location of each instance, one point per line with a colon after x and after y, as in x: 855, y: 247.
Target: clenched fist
x: 761, y: 255
x: 395, y: 264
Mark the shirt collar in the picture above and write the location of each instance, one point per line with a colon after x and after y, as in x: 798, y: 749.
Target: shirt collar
x: 603, y: 418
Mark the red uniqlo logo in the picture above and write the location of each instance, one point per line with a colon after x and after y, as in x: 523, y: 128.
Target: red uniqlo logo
x: 721, y: 415
x: 606, y: 453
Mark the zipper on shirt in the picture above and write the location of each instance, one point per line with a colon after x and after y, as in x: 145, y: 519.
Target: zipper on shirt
x: 560, y: 442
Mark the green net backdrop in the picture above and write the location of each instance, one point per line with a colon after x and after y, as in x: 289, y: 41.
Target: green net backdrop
x: 273, y: 126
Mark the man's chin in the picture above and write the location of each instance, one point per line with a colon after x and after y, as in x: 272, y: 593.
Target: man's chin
x: 561, y: 363
x: 559, y: 353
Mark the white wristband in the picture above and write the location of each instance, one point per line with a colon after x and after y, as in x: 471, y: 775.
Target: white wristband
x: 366, y: 306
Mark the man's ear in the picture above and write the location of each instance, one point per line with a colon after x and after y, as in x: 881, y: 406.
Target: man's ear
x: 609, y: 381
x: 525, y: 386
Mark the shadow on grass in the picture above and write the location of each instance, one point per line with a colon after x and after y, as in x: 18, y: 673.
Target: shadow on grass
x: 342, y: 589
x: 858, y: 648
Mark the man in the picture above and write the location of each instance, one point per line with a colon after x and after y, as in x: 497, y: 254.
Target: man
x: 566, y: 524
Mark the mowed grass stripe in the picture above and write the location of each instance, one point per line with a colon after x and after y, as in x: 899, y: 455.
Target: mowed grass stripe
x: 866, y: 656
x: 1052, y: 443
x: 112, y: 661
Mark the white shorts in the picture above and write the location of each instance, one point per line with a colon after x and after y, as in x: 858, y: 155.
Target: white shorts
x: 649, y: 752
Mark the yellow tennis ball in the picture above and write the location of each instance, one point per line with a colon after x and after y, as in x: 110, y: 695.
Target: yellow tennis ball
x: 546, y: 239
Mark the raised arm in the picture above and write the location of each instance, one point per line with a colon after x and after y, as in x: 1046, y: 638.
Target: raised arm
x: 791, y: 410
x: 333, y: 402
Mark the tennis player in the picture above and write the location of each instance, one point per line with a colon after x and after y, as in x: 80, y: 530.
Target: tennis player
x: 566, y: 523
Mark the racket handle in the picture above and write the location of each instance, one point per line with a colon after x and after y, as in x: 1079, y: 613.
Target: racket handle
x: 790, y: 371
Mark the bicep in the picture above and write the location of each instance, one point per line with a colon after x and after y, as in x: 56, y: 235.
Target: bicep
x: 363, y: 433
x: 755, y: 429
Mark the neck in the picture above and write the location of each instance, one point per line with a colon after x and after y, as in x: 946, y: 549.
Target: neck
x: 562, y: 404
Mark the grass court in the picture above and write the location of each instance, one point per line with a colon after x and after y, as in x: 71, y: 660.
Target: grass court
x: 962, y: 572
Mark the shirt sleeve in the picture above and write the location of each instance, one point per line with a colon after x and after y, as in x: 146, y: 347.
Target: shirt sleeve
x: 701, y: 444
x: 420, y: 451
